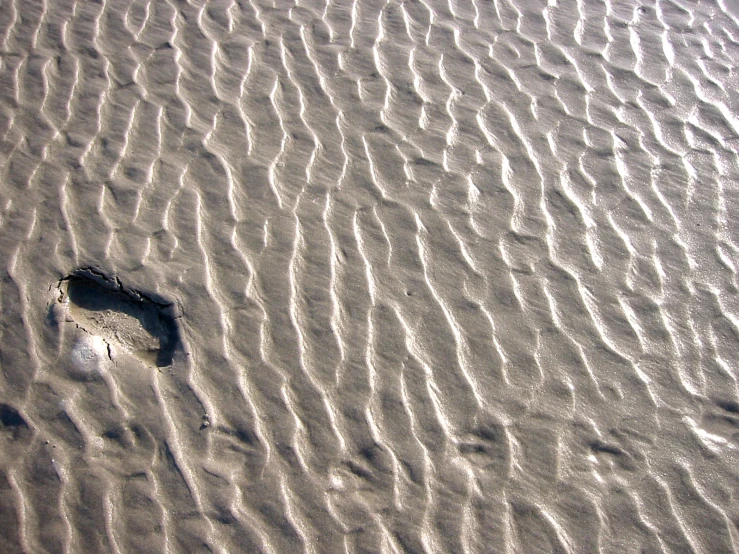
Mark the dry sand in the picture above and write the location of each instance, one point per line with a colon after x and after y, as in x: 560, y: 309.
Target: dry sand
x: 382, y: 276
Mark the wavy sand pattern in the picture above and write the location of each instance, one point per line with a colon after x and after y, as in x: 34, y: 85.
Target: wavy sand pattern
x: 439, y: 276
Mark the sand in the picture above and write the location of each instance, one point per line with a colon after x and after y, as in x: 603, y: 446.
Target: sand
x: 404, y: 276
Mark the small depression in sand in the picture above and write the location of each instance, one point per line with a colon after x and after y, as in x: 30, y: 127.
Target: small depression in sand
x: 102, y: 307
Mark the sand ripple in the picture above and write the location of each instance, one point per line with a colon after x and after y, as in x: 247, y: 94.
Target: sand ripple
x: 453, y: 276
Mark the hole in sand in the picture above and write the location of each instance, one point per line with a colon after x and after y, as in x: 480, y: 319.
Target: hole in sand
x: 139, y: 323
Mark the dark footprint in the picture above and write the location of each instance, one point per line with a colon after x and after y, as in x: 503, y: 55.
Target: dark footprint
x: 103, y: 307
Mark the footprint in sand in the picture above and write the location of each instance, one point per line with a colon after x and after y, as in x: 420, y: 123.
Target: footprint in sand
x: 115, y: 315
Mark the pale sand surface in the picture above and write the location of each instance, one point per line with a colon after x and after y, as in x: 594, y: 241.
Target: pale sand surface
x: 382, y: 276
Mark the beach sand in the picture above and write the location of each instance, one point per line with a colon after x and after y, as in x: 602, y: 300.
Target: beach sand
x: 378, y: 276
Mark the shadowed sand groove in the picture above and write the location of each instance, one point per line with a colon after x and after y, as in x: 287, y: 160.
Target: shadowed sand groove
x: 450, y: 276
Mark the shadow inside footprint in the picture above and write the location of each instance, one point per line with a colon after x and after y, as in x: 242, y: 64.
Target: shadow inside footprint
x: 102, y: 306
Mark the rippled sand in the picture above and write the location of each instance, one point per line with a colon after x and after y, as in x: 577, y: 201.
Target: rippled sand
x: 404, y: 276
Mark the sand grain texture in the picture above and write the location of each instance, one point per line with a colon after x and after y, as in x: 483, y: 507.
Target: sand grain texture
x: 403, y: 276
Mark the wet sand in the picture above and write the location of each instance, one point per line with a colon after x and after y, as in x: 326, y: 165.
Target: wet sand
x: 405, y: 276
